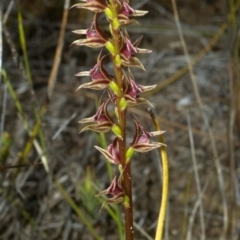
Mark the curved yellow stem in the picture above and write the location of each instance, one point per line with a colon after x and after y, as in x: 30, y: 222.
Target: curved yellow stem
x: 165, y: 177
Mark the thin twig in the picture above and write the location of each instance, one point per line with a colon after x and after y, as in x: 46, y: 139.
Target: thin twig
x: 142, y: 231
x: 2, y: 168
x: 58, y: 54
x: 9, y: 8
x: 234, y: 105
x: 200, y: 104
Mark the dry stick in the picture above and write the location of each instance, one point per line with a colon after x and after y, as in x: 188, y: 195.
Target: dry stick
x: 58, y: 54
x: 185, y: 69
x: 165, y: 179
x: 233, y: 206
x: 212, y: 140
x: 197, y: 179
x: 234, y: 112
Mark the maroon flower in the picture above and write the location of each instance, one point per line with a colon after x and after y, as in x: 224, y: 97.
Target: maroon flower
x: 132, y: 91
x: 115, y: 190
x: 112, y: 153
x: 95, y: 37
x: 141, y: 141
x: 129, y: 50
x: 126, y: 12
x: 100, y: 77
x: 101, y: 120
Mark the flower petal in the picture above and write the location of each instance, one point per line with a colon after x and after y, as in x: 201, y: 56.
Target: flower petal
x: 97, y: 6
x: 146, y: 147
x: 98, y: 127
x: 106, y: 154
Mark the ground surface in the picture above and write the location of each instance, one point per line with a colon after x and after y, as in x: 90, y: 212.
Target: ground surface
x: 31, y: 207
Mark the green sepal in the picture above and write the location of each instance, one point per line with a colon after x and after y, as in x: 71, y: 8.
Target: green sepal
x: 110, y: 47
x: 113, y: 86
x: 123, y: 103
x: 129, y: 154
x: 117, y: 130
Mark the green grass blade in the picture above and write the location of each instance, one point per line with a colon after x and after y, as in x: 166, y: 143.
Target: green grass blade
x: 24, y: 47
x: 77, y: 210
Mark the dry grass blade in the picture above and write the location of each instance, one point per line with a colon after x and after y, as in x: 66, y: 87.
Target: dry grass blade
x: 206, y: 121
x: 197, y: 178
x: 9, y: 8
x: 194, y: 211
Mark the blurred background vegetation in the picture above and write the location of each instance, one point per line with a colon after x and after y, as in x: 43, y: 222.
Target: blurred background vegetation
x: 50, y: 194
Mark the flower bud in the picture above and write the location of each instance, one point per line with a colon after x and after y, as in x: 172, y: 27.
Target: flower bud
x: 123, y: 104
x: 129, y: 154
x: 117, y: 130
x: 109, y: 13
x: 113, y: 86
x: 110, y: 47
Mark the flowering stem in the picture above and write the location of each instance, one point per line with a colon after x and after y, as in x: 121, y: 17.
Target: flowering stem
x: 123, y: 91
x: 126, y: 167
